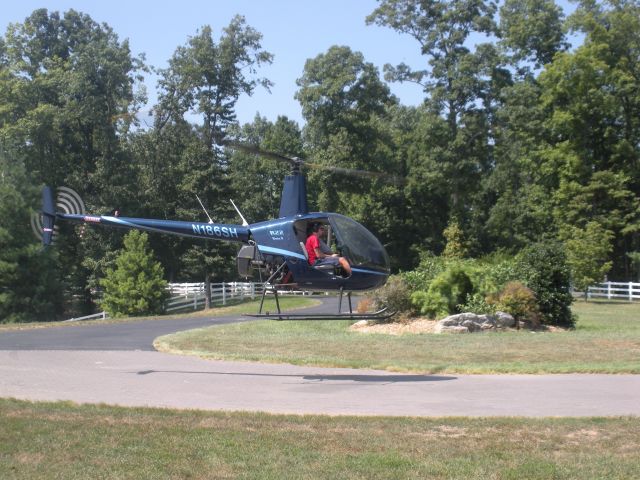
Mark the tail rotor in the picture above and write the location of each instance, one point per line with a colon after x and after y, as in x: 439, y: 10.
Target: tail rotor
x: 67, y: 201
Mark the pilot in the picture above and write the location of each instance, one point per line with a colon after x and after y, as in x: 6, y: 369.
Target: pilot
x: 323, y: 256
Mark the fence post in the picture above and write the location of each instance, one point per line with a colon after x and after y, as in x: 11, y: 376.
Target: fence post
x: 608, y: 290
x: 631, y: 291
x: 224, y: 294
x: 253, y: 290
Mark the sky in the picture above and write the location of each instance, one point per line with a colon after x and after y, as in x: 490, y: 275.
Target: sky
x: 293, y: 31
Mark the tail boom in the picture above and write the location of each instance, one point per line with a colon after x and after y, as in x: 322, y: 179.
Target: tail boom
x: 207, y: 231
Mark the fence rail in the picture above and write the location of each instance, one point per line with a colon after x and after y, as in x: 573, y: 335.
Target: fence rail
x: 611, y: 290
x: 191, y: 296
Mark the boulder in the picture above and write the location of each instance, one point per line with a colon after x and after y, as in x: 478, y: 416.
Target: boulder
x: 470, y: 322
x: 504, y: 320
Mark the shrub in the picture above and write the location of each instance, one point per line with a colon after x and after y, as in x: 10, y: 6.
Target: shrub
x: 395, y: 295
x: 520, y: 302
x: 446, y: 292
x: 430, y: 267
x: 543, y: 268
x: 493, y: 272
x: 477, y: 303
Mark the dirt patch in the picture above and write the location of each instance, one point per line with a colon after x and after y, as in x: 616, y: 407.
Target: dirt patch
x: 425, y: 325
x: 419, y: 325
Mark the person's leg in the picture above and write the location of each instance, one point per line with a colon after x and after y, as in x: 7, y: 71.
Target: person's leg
x: 345, y: 265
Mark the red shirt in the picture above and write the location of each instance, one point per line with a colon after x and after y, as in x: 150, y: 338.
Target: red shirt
x: 311, y: 245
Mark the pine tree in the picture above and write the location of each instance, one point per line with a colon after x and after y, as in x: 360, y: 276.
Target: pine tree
x: 29, y: 290
x: 136, y: 286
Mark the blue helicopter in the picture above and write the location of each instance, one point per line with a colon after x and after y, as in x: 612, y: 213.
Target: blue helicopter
x: 275, y: 249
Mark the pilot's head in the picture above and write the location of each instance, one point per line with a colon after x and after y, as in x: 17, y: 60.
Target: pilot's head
x: 318, y: 228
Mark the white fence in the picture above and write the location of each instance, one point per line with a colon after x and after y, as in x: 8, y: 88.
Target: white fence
x: 613, y: 290
x: 191, y: 296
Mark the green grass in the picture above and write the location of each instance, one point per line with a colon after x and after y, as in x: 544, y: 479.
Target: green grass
x: 62, y: 440
x: 606, y: 340
x: 237, y: 308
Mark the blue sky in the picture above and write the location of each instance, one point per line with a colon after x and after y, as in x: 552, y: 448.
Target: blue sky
x: 293, y: 30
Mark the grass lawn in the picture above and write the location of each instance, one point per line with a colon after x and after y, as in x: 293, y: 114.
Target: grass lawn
x: 239, y: 308
x: 606, y: 340
x: 62, y: 440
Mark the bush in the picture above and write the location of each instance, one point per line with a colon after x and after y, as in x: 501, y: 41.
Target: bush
x: 520, y: 302
x: 395, y: 295
x: 491, y: 273
x: 430, y: 267
x: 543, y: 268
x: 477, y: 303
x: 446, y: 292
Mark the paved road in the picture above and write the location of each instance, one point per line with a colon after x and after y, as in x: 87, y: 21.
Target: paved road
x: 124, y: 336
x: 77, y: 367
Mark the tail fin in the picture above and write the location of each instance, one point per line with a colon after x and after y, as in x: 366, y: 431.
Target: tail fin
x: 48, y: 215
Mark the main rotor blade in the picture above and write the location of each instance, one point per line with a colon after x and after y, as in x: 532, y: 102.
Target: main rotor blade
x: 356, y: 173
x: 392, y: 179
x: 258, y: 151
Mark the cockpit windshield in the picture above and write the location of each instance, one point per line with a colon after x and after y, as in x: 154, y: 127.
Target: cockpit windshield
x: 358, y: 245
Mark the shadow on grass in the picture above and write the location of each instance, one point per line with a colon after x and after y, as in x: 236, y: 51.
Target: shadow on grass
x: 383, y: 379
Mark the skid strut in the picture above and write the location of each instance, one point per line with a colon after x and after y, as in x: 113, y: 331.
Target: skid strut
x: 379, y: 315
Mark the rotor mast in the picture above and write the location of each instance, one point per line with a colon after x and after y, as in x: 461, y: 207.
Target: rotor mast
x: 293, y: 200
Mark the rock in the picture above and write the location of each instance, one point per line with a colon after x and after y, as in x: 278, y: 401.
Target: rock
x: 504, y: 320
x: 450, y: 329
x: 360, y: 323
x: 470, y: 322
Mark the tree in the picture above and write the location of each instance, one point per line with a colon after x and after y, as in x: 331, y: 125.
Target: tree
x: 532, y: 30
x: 206, y: 78
x: 442, y: 29
x: 462, y: 86
x: 136, y: 286
x: 588, y: 251
x: 257, y: 181
x: 348, y: 112
x: 593, y: 130
x: 456, y: 246
x: 68, y: 99
x: 29, y: 289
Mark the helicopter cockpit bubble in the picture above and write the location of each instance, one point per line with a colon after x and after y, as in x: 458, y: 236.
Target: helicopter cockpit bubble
x: 358, y: 245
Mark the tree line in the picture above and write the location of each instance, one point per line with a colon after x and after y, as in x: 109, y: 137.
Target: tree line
x: 521, y: 138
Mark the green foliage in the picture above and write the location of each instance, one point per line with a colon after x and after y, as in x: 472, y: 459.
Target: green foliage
x: 587, y: 253
x: 446, y: 293
x: 395, y: 294
x: 519, y: 301
x: 29, y: 289
x: 429, y: 268
x: 136, y: 286
x: 477, y: 303
x: 456, y: 246
x: 532, y: 29
x: 518, y: 139
x: 543, y: 268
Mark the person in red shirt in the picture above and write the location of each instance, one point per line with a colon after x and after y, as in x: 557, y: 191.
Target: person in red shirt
x: 319, y: 257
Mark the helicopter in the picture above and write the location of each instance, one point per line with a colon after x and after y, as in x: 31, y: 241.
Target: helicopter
x: 275, y: 249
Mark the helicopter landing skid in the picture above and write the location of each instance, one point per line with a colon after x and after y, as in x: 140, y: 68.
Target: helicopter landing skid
x: 379, y: 315
x: 382, y: 314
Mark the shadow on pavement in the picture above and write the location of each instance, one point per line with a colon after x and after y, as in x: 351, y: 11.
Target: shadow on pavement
x: 321, y: 378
